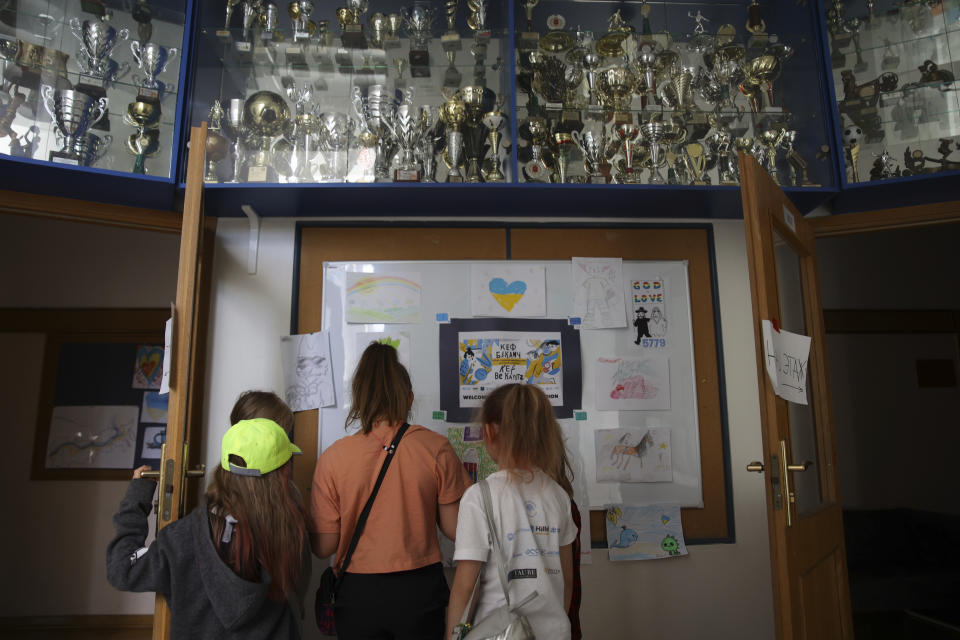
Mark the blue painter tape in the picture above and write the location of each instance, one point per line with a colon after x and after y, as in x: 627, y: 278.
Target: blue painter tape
x: 579, y: 415
x: 574, y: 321
x: 443, y: 317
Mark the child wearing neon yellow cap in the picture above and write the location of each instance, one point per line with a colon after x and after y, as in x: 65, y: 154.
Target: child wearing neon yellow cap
x: 238, y: 565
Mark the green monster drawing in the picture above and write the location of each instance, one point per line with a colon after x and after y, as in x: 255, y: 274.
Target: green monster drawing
x: 670, y: 545
x: 393, y: 342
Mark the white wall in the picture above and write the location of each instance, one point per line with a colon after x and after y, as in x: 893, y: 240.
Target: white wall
x: 721, y: 590
x: 56, y: 544
x: 55, y: 534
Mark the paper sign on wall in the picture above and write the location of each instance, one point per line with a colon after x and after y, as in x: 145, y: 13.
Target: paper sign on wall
x: 786, y: 355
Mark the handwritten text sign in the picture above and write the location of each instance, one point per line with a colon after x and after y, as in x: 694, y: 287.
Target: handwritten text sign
x: 786, y: 355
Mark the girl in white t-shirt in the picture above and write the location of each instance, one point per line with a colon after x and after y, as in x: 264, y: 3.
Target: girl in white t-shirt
x: 531, y: 513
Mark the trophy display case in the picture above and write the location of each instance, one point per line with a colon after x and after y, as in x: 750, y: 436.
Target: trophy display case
x: 667, y: 93
x: 893, y: 67
x: 307, y: 92
x: 92, y: 83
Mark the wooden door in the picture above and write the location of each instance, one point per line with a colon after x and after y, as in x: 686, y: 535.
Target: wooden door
x: 807, y: 553
x: 186, y: 368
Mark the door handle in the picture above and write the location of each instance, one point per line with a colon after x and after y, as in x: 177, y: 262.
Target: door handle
x: 198, y: 472
x: 756, y: 466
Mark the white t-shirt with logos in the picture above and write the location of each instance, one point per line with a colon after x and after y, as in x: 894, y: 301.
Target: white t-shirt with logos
x: 533, y: 521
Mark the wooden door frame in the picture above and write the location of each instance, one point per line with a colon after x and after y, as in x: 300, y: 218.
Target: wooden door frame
x: 71, y: 210
x: 195, y: 313
x: 885, y: 219
x: 802, y: 544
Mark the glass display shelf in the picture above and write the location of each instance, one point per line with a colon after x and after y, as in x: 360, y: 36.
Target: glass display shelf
x: 894, y: 69
x: 91, y: 83
x: 653, y: 93
x: 311, y: 93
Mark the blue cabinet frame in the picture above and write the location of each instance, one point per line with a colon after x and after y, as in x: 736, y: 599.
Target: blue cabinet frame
x: 507, y: 199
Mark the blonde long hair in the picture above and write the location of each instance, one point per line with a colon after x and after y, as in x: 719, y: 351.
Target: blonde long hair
x: 528, y: 434
x: 271, y: 529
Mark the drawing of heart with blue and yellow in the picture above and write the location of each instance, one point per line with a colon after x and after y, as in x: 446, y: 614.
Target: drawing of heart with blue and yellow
x: 507, y: 295
x: 664, y: 518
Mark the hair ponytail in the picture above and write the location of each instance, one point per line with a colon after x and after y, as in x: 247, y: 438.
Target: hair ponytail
x: 381, y: 388
x: 528, y: 434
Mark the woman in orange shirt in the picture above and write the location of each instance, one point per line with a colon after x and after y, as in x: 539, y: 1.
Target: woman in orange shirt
x: 394, y: 586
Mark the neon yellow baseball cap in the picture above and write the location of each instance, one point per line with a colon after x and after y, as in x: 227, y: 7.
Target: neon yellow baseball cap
x: 261, y: 443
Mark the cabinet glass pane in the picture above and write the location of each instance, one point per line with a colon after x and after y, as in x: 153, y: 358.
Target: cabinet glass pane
x: 91, y: 82
x: 668, y: 92
x: 893, y: 69
x: 386, y: 92
x: 803, y: 429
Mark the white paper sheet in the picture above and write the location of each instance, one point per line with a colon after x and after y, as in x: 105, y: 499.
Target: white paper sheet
x: 307, y: 375
x: 633, y: 384
x: 598, y: 292
x: 649, y: 305
x: 503, y: 290
x: 786, y: 355
x: 167, y: 346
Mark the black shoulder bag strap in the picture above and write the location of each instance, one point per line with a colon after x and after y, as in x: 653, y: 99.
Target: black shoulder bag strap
x: 362, y: 520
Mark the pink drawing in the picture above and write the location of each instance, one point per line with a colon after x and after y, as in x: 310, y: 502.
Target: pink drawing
x: 635, y: 387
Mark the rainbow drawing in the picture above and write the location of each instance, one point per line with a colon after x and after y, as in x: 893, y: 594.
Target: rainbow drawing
x: 383, y: 298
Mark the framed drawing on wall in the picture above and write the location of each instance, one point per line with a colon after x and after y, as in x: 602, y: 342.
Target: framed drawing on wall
x: 99, y: 412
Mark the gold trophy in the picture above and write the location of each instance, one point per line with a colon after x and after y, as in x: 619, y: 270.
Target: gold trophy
x: 695, y: 160
x: 216, y: 146
x: 611, y: 44
x: 494, y: 121
x: 529, y: 39
x: 265, y: 114
x: 454, y: 114
x: 615, y: 87
x: 450, y: 41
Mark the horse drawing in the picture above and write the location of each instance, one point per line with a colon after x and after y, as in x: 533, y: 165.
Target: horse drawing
x: 622, y: 452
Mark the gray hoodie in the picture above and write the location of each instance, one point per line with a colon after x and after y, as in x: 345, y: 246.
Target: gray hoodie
x: 207, y: 599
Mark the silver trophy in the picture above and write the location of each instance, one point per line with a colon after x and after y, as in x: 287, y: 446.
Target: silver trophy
x: 627, y: 133
x: 153, y: 60
x: 593, y: 145
x: 73, y: 112
x: 426, y: 152
x: 251, y: 16
x: 335, y: 133
x: 90, y: 148
x: 233, y: 123
x: 494, y: 121
x: 454, y: 115
x: 269, y: 19
x: 300, y: 12
x: 653, y: 132
x: 97, y: 41
x: 418, y: 21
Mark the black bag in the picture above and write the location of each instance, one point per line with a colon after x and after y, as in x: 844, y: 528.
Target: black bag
x: 329, y: 582
x: 323, y: 605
